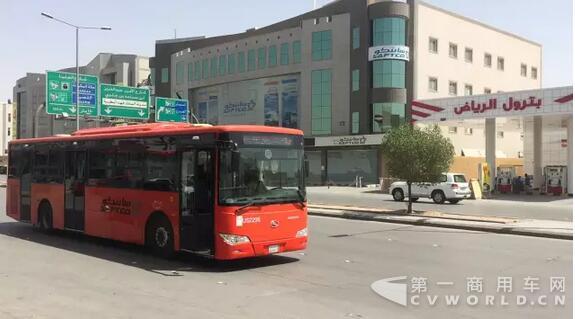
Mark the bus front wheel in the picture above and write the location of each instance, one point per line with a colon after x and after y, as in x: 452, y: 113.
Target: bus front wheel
x: 160, y: 236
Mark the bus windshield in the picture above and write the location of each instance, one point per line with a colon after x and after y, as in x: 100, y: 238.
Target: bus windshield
x: 261, y: 175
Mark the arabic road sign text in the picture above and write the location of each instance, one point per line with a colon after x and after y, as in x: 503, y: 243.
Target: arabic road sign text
x: 124, y: 101
x: 61, y: 94
x: 171, y: 110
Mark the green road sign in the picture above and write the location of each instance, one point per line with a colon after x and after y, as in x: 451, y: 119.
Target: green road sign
x: 171, y: 110
x: 124, y: 101
x: 61, y: 94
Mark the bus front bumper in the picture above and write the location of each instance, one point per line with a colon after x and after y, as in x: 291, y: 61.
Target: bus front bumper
x: 262, y: 248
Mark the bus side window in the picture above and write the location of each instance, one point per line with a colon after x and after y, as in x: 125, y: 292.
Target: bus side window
x: 13, y: 162
x: 161, y: 165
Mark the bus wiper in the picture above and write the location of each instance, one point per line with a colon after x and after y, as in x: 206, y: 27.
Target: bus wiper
x: 240, y: 209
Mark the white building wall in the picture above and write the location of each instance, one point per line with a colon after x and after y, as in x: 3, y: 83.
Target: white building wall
x: 470, y: 141
x: 447, y: 27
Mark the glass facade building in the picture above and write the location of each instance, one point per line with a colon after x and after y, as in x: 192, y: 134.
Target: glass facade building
x: 388, y: 73
x: 312, y: 73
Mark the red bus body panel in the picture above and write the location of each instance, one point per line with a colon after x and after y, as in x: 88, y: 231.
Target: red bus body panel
x: 257, y: 226
x: 54, y: 193
x: 121, y: 213
x: 13, y: 198
x: 127, y: 213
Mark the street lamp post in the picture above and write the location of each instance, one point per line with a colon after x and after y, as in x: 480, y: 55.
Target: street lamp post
x: 77, y: 27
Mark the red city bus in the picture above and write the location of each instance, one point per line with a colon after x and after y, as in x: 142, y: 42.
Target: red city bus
x: 224, y: 191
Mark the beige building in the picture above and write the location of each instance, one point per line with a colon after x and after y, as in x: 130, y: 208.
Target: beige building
x: 457, y: 56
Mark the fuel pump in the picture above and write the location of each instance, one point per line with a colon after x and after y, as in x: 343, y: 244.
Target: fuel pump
x: 505, y: 175
x: 555, y: 179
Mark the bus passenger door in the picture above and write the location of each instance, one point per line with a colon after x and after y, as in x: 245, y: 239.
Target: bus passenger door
x: 74, y: 185
x: 197, y: 200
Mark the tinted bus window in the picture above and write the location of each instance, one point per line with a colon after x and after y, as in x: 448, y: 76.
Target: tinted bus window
x: 161, y: 166
x: 47, y: 164
x: 117, y: 163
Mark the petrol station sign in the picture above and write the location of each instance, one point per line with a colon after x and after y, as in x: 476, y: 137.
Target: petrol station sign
x: 518, y: 103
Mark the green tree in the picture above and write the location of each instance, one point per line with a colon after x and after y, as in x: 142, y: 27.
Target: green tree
x: 416, y: 154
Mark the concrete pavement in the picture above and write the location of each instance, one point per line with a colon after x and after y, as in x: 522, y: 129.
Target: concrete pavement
x: 72, y: 276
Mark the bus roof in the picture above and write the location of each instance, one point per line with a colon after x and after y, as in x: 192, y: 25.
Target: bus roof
x: 156, y: 129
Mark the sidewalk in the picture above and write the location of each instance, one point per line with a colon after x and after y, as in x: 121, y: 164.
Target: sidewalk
x: 557, y: 208
x: 494, y: 224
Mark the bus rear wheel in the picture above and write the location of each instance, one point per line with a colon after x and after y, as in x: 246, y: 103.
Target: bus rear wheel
x: 45, y: 217
x: 160, y: 236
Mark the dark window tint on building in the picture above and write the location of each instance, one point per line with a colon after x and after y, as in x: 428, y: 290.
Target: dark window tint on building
x: 284, y: 54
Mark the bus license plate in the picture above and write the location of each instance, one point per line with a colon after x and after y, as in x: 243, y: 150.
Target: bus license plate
x: 273, y: 249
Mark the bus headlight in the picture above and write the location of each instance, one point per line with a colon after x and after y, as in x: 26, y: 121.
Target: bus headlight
x: 233, y: 240
x: 301, y: 233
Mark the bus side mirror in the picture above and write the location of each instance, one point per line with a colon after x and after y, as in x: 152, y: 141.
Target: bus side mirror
x: 306, y: 168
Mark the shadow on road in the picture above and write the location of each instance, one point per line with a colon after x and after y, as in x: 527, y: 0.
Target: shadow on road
x: 134, y: 255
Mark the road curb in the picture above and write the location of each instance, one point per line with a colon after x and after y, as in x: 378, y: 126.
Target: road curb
x: 419, y: 213
x: 490, y: 227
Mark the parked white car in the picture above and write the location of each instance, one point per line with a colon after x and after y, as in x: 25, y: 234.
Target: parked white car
x: 453, y: 187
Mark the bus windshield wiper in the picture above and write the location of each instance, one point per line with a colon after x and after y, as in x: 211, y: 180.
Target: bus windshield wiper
x: 252, y: 202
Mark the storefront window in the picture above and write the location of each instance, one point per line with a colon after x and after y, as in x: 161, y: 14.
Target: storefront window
x: 344, y: 165
x: 313, y: 168
x: 387, y: 116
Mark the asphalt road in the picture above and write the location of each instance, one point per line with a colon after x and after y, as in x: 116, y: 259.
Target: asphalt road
x: 72, y: 276
x: 530, y: 207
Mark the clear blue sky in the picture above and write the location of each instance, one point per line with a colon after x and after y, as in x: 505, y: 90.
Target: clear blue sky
x: 31, y: 43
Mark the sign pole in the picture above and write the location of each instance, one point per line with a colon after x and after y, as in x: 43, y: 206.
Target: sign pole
x: 77, y: 85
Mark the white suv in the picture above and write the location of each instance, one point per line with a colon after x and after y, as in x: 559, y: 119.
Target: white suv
x: 453, y: 187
